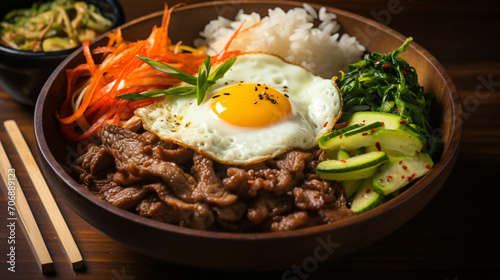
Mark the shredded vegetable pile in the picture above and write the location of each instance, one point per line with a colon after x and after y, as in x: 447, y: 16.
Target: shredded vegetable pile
x: 52, y: 26
x: 92, y: 88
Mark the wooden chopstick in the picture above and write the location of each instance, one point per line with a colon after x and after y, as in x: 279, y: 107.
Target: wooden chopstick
x: 69, y: 244
x: 22, y: 207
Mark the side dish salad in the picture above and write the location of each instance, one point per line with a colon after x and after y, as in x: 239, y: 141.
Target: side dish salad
x: 382, y: 143
x: 52, y: 26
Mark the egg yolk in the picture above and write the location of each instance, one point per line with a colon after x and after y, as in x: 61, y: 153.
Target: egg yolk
x: 250, y: 105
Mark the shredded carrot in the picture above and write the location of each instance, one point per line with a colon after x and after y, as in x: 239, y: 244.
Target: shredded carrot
x: 92, y: 87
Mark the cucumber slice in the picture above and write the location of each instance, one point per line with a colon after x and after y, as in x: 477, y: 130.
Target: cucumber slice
x: 366, y: 198
x: 350, y: 186
x: 353, y: 168
x: 400, y: 171
x: 333, y: 139
x: 390, y: 121
x: 397, y: 142
x: 337, y: 154
x: 360, y: 137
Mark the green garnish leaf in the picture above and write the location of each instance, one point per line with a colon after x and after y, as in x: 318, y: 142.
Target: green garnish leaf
x: 221, y: 70
x: 158, y: 93
x: 168, y: 69
x: 200, y: 83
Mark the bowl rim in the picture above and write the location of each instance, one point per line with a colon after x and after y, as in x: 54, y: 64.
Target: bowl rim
x: 449, y: 153
x: 118, y: 20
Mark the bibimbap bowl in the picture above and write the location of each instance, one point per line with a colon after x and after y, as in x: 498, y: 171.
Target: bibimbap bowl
x: 248, y: 251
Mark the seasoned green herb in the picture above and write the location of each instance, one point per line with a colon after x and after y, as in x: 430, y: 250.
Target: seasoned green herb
x: 387, y: 83
x: 200, y: 83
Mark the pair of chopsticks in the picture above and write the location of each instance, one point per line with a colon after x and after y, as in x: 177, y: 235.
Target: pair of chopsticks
x: 34, y: 236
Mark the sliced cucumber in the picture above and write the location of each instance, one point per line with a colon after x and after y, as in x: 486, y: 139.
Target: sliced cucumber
x: 333, y: 139
x: 360, y: 137
x: 397, y: 142
x: 400, y: 171
x: 337, y: 154
x: 357, y: 167
x: 389, y: 120
x: 350, y: 186
x: 366, y: 198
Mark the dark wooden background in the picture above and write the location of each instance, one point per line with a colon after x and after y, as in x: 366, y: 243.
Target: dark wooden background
x: 457, y: 236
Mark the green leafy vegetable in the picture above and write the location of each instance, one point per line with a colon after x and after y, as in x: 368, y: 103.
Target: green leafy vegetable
x: 387, y: 83
x: 200, y: 83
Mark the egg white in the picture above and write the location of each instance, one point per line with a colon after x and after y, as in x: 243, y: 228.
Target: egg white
x: 316, y: 105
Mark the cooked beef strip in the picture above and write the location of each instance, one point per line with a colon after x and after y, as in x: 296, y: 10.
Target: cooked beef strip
x: 267, y: 206
x: 294, y: 161
x: 209, y: 187
x: 238, y: 183
x: 232, y: 213
x: 98, y: 160
x: 308, y: 199
x: 179, y: 156
x: 337, y: 211
x: 128, y: 197
x: 248, y: 183
x: 157, y: 210
x: 181, y: 183
x: 133, y: 124
x: 196, y: 215
x: 292, y: 221
x: 123, y: 197
x: 312, y: 182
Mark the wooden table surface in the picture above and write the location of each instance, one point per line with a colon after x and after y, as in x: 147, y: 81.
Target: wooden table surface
x: 457, y: 236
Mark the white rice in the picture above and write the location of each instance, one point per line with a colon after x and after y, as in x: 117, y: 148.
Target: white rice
x: 291, y: 35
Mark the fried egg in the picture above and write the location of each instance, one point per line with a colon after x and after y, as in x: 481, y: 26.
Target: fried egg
x: 261, y: 108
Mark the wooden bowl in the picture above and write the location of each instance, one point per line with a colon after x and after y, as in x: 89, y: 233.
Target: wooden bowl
x: 253, y: 251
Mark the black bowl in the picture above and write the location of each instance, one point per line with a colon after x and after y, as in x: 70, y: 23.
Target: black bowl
x: 23, y: 73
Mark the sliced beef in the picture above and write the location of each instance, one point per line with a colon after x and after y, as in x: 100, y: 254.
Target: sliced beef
x: 240, y: 183
x: 210, y: 187
x: 157, y: 210
x: 133, y: 124
x: 308, y: 199
x: 194, y: 215
x: 128, y: 197
x: 178, y: 156
x: 337, y: 211
x: 294, y: 161
x: 181, y: 183
x: 98, y: 160
x: 232, y: 213
x: 267, y: 206
x: 292, y: 221
x: 123, y: 197
x: 248, y: 183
